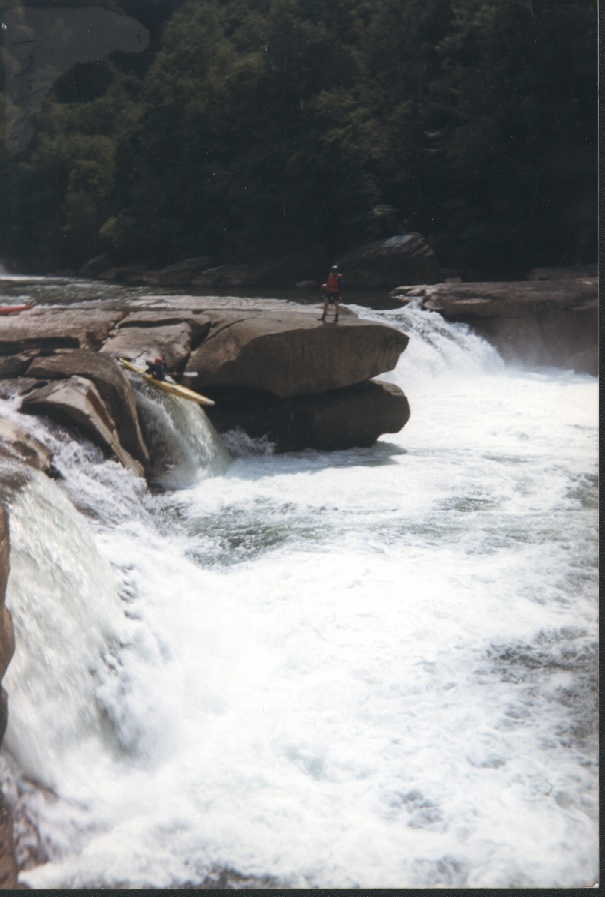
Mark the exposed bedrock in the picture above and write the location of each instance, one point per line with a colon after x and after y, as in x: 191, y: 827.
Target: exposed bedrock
x: 544, y: 322
x: 76, y: 402
x: 172, y: 340
x: 291, y: 354
x: 112, y: 384
x: 338, y: 419
x: 50, y: 329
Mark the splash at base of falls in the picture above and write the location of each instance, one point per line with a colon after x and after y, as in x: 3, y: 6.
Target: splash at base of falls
x: 183, y: 444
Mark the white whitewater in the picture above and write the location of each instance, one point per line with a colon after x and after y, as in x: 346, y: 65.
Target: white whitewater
x: 369, y: 668
x: 183, y: 443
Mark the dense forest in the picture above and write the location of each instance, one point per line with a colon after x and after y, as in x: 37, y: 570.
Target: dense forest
x: 246, y: 129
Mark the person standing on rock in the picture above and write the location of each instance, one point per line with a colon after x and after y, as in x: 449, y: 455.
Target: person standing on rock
x: 332, y: 290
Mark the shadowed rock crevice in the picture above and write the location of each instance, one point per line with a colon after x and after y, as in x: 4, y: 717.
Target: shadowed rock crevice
x: 344, y: 418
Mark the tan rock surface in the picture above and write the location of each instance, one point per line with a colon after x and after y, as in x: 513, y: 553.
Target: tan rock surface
x: 291, y: 353
x: 76, y: 402
x: 138, y: 343
x: 113, y: 385
x: 55, y: 328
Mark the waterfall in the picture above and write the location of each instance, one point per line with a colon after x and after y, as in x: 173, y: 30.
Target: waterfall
x: 437, y: 347
x: 61, y: 593
x: 183, y: 444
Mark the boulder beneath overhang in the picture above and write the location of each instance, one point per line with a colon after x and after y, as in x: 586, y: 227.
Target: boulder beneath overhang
x: 339, y: 419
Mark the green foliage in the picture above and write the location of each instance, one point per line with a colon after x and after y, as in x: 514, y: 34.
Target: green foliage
x: 254, y: 127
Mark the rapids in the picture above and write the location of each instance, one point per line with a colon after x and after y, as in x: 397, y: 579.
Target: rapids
x: 371, y: 668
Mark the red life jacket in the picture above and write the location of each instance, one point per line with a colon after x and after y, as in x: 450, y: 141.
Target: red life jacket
x: 333, y: 282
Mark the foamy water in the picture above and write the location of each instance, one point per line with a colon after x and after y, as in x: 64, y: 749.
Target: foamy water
x: 368, y: 668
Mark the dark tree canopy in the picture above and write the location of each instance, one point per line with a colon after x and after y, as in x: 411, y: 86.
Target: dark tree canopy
x: 249, y: 128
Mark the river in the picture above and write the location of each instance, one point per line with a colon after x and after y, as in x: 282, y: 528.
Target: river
x: 372, y: 668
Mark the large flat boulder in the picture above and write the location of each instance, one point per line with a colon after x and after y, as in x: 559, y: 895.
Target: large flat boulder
x: 339, y: 419
x: 49, y: 329
x: 76, y: 403
x: 113, y: 385
x: 291, y: 353
x: 137, y: 343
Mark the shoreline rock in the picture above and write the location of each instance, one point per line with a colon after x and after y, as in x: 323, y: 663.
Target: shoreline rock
x: 400, y: 256
x: 540, y: 322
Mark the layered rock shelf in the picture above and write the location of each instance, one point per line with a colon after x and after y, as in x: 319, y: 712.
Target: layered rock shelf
x: 275, y: 373
x: 550, y: 321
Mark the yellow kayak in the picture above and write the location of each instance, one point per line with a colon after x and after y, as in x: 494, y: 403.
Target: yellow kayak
x: 174, y: 388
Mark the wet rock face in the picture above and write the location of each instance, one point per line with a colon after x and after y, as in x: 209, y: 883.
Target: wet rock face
x: 4, y: 552
x: 77, y: 403
x: 113, y: 385
x: 15, y: 443
x: 292, y: 354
